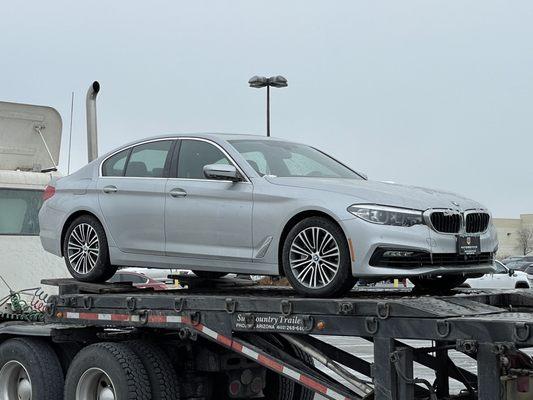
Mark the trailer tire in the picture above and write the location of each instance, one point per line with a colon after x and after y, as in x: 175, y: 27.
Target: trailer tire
x: 66, y: 352
x: 161, y: 372
x: 29, y: 363
x: 113, y: 366
x: 102, y: 269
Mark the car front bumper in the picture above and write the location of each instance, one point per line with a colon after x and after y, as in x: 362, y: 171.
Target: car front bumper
x: 366, y: 237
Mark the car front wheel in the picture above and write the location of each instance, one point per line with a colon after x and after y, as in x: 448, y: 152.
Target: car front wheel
x: 86, y: 252
x: 316, y: 259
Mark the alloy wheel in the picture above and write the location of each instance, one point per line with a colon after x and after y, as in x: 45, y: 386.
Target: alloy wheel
x: 15, y: 382
x: 83, y: 248
x: 95, y: 384
x: 314, y: 257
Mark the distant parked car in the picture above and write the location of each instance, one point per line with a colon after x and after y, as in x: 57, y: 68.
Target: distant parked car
x: 520, y: 264
x: 507, y: 260
x: 529, y: 273
x: 503, y: 278
x: 138, y: 280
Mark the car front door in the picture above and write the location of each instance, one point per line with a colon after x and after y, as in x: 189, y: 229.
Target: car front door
x: 132, y: 196
x: 205, y: 218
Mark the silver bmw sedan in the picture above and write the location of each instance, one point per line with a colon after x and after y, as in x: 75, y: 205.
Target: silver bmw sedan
x: 219, y: 204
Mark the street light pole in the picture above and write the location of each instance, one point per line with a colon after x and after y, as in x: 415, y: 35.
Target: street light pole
x: 268, y: 111
x: 274, y: 81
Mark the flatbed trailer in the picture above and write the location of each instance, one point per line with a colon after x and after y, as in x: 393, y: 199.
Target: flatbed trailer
x: 231, y: 339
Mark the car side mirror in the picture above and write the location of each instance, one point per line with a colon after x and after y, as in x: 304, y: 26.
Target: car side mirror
x: 511, y: 272
x: 222, y: 172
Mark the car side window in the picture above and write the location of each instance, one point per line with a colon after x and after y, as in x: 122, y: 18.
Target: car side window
x: 257, y: 161
x: 149, y: 160
x: 194, y: 155
x: 114, y: 165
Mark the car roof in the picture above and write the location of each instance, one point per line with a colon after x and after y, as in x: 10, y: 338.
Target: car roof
x: 217, y: 137
x: 213, y: 135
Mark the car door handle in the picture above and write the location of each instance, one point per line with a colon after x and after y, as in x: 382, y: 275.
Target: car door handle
x: 110, y: 189
x: 178, y: 192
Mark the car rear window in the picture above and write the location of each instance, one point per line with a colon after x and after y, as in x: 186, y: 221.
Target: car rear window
x: 114, y: 165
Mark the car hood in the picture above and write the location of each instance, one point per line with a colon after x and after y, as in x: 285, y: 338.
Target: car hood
x: 382, y: 193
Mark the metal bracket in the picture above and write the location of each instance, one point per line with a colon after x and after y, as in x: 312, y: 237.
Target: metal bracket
x: 286, y: 307
x: 443, y: 328
x: 88, y: 302
x: 179, y: 304
x: 131, y: 303
x: 346, y: 308
x: 231, y: 306
x: 383, y: 310
x: 195, y: 318
x: 371, y: 325
x: 521, y: 331
x: 249, y: 320
x: 143, y: 317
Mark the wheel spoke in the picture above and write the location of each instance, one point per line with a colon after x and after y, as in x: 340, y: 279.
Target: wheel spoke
x: 304, y: 272
x: 300, y: 263
x: 305, y: 241
x: 298, y: 250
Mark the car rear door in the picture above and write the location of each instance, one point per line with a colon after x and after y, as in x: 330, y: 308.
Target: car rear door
x: 204, y: 218
x: 131, y: 193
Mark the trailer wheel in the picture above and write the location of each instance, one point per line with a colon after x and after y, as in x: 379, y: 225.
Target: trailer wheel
x: 163, y: 378
x: 107, y: 371
x: 86, y: 252
x: 29, y: 370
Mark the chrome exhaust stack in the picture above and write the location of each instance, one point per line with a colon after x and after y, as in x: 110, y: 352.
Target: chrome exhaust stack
x: 92, y: 132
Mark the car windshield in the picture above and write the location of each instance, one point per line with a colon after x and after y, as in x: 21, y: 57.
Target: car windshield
x: 283, y: 159
x: 518, y: 265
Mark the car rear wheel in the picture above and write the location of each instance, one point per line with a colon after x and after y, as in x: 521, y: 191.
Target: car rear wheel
x: 209, y: 274
x: 438, y: 283
x: 316, y: 259
x: 86, y: 252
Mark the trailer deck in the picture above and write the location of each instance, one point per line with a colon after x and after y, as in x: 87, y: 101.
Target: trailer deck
x: 491, y: 326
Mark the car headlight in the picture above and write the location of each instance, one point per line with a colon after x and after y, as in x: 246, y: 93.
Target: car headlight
x: 385, y: 215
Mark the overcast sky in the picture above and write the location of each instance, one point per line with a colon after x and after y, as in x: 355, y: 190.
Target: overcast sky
x: 431, y: 93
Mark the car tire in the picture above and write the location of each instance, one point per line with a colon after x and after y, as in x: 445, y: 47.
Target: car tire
x: 29, y: 368
x: 209, y: 274
x: 316, y: 258
x: 438, y: 283
x: 86, y: 251
x: 111, y: 367
x: 161, y: 372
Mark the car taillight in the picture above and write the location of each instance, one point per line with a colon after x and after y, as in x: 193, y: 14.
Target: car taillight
x: 49, y: 191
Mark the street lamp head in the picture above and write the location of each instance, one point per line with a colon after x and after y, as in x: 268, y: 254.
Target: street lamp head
x: 261, y: 81
x: 277, y: 81
x: 258, y: 81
